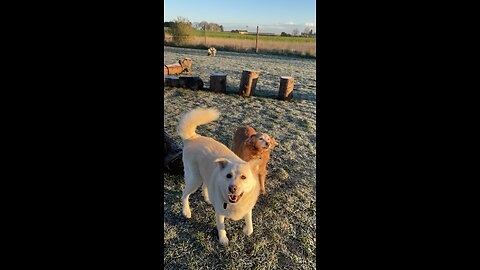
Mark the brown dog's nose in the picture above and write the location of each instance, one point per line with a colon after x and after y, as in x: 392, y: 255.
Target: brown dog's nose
x: 232, y: 188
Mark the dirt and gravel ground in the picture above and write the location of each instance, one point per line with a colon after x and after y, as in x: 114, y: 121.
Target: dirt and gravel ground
x: 284, y: 220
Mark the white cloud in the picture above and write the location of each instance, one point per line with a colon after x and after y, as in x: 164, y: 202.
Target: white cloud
x: 310, y: 24
x: 289, y: 23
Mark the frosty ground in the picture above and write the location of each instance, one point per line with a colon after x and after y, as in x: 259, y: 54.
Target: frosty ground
x: 284, y: 220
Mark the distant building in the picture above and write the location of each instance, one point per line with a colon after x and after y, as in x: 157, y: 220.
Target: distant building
x: 245, y: 32
x: 241, y: 32
x: 261, y: 34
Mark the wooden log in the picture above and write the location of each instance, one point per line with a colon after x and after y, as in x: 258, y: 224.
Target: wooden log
x: 191, y: 82
x: 285, y: 91
x: 171, y: 81
x: 248, y: 82
x: 183, y: 66
x: 172, y: 69
x: 186, y: 64
x: 218, y: 82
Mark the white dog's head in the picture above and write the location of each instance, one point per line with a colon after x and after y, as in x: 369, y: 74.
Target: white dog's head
x: 237, y: 178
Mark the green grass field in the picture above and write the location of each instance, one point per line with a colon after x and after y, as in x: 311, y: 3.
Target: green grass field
x: 230, y: 35
x: 200, y: 33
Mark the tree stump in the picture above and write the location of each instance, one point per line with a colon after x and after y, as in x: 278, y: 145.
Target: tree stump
x: 172, y: 156
x: 218, y: 82
x: 191, y: 82
x: 171, y: 81
x: 285, y: 91
x: 248, y: 82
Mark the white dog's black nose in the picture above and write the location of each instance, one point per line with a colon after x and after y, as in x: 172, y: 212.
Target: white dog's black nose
x: 232, y: 188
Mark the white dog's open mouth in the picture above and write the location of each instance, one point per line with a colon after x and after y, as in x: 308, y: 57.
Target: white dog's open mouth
x: 232, y: 198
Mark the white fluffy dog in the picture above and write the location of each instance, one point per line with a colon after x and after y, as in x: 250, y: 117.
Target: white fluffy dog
x: 228, y: 181
x: 212, y: 51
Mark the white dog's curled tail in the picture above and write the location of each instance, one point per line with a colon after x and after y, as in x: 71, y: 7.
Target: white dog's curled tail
x: 189, y: 122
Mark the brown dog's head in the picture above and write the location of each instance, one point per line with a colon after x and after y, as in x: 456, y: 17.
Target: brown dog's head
x: 261, y: 141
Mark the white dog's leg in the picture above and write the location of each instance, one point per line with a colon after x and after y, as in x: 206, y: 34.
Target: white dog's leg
x: 191, y: 185
x: 248, y: 229
x: 222, y: 234
x: 205, y: 194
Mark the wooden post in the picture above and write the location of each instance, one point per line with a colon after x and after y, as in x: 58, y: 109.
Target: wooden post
x: 205, y: 33
x: 256, y: 42
x: 285, y: 91
x: 171, y: 81
x: 248, y: 82
x: 191, y: 82
x: 218, y: 82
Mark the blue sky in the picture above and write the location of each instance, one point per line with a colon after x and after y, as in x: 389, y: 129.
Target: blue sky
x: 272, y: 16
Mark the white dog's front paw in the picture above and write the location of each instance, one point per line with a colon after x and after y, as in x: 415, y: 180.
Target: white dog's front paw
x: 223, y: 240
x: 187, y: 213
x: 222, y: 237
x: 247, y: 230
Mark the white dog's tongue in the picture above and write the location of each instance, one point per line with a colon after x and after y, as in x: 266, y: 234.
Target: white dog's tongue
x: 234, y: 198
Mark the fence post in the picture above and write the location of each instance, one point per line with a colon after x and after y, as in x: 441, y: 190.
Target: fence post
x: 256, y: 42
x: 205, y: 33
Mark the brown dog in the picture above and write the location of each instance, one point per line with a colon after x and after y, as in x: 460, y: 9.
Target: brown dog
x: 248, y: 145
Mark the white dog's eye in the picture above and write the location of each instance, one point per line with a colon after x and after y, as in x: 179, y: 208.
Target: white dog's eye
x: 243, y: 177
x: 229, y: 175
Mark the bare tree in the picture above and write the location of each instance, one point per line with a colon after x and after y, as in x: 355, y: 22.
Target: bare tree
x: 201, y: 25
x: 295, y: 32
x: 307, y: 30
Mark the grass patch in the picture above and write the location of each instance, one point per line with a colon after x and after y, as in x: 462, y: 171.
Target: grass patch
x: 232, y: 42
x: 230, y: 35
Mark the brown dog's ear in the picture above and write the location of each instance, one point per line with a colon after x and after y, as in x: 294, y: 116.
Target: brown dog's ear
x: 250, y: 139
x: 223, y: 162
x: 273, y: 141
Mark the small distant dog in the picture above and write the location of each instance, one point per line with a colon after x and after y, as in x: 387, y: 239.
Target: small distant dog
x: 229, y: 183
x: 248, y: 145
x: 212, y: 51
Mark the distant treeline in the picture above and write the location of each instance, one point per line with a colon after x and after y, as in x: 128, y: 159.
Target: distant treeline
x: 184, y: 26
x: 200, y: 26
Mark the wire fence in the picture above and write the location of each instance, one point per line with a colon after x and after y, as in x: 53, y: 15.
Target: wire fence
x: 256, y: 45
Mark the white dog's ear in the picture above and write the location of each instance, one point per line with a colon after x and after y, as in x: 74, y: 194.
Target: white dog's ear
x: 223, y: 162
x: 255, y: 164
